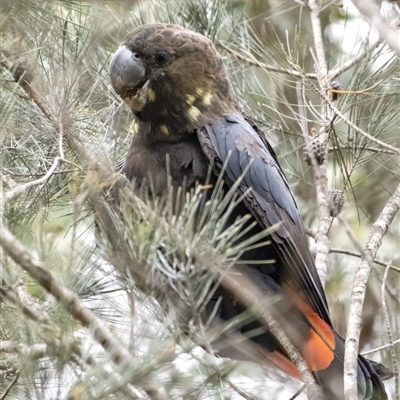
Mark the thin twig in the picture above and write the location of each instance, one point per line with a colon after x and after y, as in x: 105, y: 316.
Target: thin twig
x: 378, y: 230
x: 380, y: 348
x: 370, y: 149
x: 251, y: 60
x: 359, y: 255
x: 322, y: 68
x: 322, y: 236
x: 298, y: 393
x: 18, y: 189
x: 351, y: 124
x: 345, y: 66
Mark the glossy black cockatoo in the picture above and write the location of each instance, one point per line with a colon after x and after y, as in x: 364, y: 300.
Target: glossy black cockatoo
x: 177, y: 87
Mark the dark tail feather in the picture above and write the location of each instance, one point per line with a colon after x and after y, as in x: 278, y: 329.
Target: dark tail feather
x: 373, y: 385
x: 382, y: 371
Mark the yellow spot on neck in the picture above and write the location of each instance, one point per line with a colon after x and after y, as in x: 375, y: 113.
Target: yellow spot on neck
x: 199, y: 91
x: 207, y: 98
x: 151, y: 94
x: 193, y: 113
x: 164, y: 129
x: 135, y: 127
x: 190, y: 99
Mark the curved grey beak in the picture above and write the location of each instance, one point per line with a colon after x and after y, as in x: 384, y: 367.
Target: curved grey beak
x: 127, y: 72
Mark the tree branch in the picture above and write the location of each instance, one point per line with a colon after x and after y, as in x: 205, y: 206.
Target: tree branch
x: 378, y: 230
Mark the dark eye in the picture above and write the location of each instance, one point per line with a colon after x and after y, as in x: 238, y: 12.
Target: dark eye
x: 161, y: 57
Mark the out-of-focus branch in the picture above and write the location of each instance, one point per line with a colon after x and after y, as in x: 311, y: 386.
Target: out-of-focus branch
x: 10, y: 386
x: 34, y: 351
x: 370, y: 149
x: 28, y: 308
x: 370, y: 11
x: 378, y: 230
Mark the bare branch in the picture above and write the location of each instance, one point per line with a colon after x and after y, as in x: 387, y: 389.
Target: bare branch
x: 370, y: 11
x: 34, y: 351
x: 378, y: 230
x: 380, y: 348
x: 27, y: 302
x: 321, y: 183
x: 320, y: 171
x: 322, y: 68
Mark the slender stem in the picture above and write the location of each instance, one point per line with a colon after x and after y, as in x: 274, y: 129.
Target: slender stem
x: 320, y: 171
x: 251, y: 60
x: 378, y: 230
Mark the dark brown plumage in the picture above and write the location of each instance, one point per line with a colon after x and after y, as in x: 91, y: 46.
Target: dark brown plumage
x: 177, y: 87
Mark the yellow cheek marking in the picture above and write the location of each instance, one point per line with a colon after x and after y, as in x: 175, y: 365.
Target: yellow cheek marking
x: 164, y: 129
x: 194, y: 113
x: 199, y: 91
x: 207, y: 98
x: 190, y: 99
x: 151, y: 95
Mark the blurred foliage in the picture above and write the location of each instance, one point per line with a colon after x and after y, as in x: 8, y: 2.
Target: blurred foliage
x: 67, y: 46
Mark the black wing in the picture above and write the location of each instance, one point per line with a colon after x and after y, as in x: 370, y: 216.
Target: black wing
x: 233, y: 142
